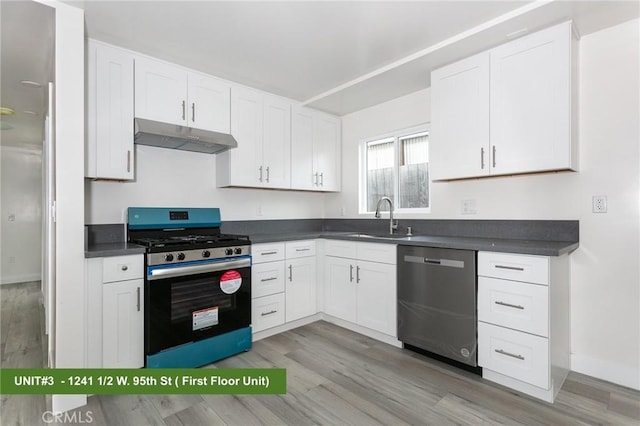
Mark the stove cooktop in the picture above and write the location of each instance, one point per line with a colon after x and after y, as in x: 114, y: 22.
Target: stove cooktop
x: 219, y: 240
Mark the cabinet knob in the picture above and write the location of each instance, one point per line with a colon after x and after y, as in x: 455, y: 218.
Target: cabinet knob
x: 125, y: 267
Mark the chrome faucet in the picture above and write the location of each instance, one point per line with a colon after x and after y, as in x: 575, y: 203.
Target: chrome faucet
x: 392, y: 225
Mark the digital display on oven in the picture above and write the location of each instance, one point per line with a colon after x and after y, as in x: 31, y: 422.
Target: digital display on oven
x: 178, y: 215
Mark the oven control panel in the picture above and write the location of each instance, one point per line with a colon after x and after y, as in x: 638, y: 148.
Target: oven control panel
x: 179, y: 256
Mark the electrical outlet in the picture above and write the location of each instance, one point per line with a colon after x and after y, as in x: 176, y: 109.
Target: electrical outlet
x: 12, y: 217
x: 12, y: 259
x: 599, y: 203
x: 469, y: 207
x: 343, y: 211
x: 259, y: 211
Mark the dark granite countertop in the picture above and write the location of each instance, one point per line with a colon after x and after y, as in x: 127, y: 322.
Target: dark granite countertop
x: 535, y: 247
x: 112, y: 249
x: 107, y: 241
x: 537, y: 237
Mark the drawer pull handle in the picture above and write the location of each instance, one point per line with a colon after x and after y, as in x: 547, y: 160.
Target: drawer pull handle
x: 264, y: 280
x: 501, y: 352
x: 124, y: 267
x: 264, y: 314
x: 497, y: 302
x: 357, y: 274
x: 350, y: 273
x: 303, y: 249
x: 290, y: 273
x: 267, y: 253
x: 511, y: 268
x: 138, y: 299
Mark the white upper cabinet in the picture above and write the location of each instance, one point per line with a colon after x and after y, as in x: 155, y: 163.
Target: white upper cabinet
x: 161, y: 92
x: 276, y: 142
x: 109, y: 113
x: 326, y: 154
x: 507, y: 110
x: 302, y: 161
x: 261, y: 123
x: 209, y: 103
x: 531, y: 92
x: 460, y: 119
x: 315, y: 150
x: 171, y: 94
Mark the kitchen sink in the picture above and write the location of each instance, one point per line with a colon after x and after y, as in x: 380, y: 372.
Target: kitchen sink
x: 382, y: 236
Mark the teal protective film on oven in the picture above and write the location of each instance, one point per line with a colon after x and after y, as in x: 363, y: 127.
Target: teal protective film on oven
x: 172, y: 218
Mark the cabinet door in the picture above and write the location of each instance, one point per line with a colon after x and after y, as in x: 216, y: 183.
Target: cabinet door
x: 160, y: 92
x: 326, y: 151
x: 340, y: 288
x: 531, y: 102
x: 459, y: 139
x: 122, y: 324
x: 110, y: 113
x: 209, y: 103
x: 300, y: 291
x: 276, y: 149
x: 245, y: 161
x: 302, y: 173
x: 376, y: 300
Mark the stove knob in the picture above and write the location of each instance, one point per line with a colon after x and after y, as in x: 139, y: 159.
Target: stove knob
x: 206, y: 253
x: 228, y: 252
x: 237, y: 250
x: 180, y: 256
x: 168, y: 257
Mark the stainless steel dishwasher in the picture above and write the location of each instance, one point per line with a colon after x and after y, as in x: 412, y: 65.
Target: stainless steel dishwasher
x: 437, y: 301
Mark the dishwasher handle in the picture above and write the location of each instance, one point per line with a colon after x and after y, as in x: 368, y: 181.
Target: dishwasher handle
x: 435, y: 262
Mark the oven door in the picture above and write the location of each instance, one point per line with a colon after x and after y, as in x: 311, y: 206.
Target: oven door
x: 196, y: 300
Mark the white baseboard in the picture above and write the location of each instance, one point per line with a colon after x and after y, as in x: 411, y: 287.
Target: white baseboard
x: 25, y: 278
x: 605, y: 370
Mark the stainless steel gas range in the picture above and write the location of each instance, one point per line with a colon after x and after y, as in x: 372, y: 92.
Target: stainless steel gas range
x: 197, y: 286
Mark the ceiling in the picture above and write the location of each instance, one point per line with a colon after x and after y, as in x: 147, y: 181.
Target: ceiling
x: 337, y: 56
x: 26, y: 54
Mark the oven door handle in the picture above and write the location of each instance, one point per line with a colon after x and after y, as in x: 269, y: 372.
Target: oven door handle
x: 181, y: 271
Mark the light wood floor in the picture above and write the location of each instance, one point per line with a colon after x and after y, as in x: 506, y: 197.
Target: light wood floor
x: 334, y: 376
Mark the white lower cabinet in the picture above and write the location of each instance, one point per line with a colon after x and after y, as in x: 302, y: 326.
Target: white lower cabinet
x: 301, y: 288
x: 376, y: 301
x: 267, y: 312
x: 340, y: 296
x: 523, y: 321
x: 361, y: 289
x: 283, y: 279
x: 115, y: 312
x: 123, y: 324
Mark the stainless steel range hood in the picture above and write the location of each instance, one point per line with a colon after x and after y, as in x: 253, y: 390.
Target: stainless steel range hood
x: 155, y: 133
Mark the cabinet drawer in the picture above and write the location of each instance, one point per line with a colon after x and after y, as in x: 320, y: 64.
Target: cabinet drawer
x: 305, y: 248
x: 267, y: 278
x: 516, y: 305
x: 340, y: 248
x: 267, y: 312
x: 268, y: 252
x: 515, y: 354
x: 517, y: 267
x: 122, y: 268
x: 372, y: 252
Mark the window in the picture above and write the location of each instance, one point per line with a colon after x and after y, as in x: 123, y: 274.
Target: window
x: 396, y: 166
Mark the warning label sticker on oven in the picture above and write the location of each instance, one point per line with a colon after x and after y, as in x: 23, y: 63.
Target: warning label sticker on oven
x: 230, y: 281
x: 205, y: 318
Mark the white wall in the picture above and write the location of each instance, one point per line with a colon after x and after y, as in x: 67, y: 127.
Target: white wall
x: 605, y: 286
x: 20, y: 214
x: 170, y: 178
